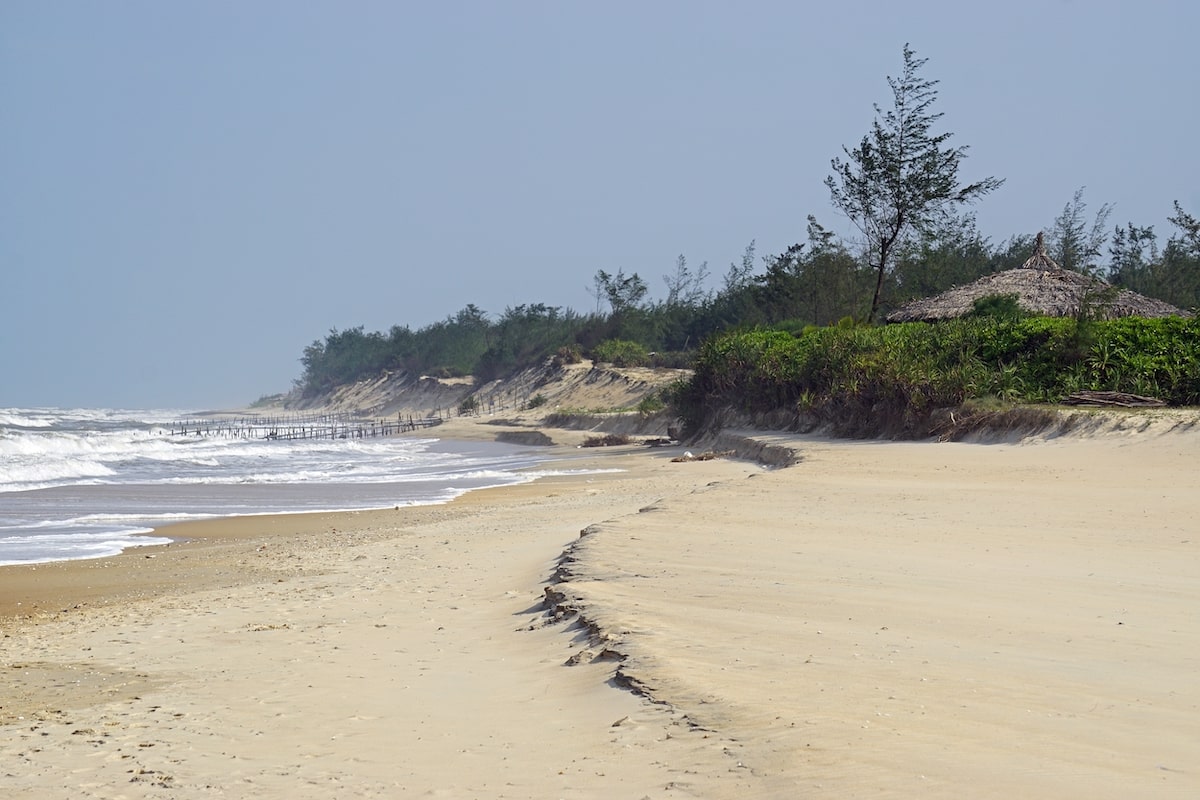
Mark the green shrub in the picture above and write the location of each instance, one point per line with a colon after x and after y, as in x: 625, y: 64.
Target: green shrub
x: 673, y: 360
x: 621, y: 353
x: 651, y: 404
x: 998, y: 306
x: 892, y: 379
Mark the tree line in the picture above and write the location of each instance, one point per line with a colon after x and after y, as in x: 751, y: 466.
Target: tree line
x: 900, y: 188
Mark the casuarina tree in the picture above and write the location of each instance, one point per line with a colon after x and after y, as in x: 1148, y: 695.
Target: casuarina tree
x: 903, y: 176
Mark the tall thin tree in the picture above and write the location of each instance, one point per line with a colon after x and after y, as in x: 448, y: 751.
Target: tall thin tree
x: 902, y: 176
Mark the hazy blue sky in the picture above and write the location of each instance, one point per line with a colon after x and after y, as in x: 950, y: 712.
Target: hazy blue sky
x: 192, y: 192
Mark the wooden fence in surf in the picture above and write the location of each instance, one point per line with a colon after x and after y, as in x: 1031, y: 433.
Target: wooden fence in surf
x: 299, y: 426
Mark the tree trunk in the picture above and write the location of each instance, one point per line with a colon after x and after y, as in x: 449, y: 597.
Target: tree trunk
x: 878, y: 291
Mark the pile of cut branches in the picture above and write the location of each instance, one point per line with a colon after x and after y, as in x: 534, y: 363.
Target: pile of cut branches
x: 1123, y: 399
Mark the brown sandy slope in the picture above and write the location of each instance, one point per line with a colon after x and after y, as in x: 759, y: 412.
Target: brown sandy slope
x: 578, y: 387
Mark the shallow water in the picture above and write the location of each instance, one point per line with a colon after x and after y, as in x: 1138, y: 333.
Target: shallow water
x: 83, y: 483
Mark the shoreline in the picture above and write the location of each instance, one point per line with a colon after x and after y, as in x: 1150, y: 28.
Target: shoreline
x: 914, y: 618
x: 113, y: 578
x: 146, y: 571
x: 452, y: 593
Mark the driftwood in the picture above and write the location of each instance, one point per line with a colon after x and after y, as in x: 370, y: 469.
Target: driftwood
x: 1122, y: 399
x: 608, y: 440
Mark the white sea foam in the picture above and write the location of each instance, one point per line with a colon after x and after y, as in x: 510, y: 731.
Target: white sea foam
x: 95, y: 477
x: 43, y: 549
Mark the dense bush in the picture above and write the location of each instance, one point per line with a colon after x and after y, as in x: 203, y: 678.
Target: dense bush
x: 891, y: 379
x: 621, y: 353
x: 673, y: 360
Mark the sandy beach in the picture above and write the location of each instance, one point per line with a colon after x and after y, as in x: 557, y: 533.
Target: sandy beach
x: 881, y: 619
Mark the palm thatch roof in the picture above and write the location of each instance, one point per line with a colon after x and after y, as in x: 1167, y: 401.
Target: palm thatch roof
x: 1042, y: 287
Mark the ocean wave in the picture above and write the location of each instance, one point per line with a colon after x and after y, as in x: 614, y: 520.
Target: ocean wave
x: 27, y: 475
x: 41, y: 549
x: 16, y: 418
x: 90, y: 472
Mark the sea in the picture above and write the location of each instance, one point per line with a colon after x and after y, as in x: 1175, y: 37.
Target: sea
x: 87, y: 483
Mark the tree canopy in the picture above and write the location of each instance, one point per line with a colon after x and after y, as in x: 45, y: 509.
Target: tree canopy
x: 902, y: 177
x: 899, y: 186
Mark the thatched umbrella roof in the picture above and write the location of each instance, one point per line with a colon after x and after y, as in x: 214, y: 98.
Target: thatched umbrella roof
x: 1042, y: 287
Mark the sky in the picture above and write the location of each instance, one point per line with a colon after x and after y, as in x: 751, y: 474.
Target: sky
x: 191, y: 192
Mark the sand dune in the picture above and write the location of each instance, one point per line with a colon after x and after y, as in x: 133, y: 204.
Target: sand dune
x: 883, y: 619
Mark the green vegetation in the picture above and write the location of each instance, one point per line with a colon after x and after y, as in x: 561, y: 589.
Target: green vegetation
x: 892, y: 379
x: 998, y: 306
x: 652, y: 404
x: 902, y: 177
x: 621, y: 353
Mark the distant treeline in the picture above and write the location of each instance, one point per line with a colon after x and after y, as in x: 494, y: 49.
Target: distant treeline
x: 819, y: 282
x: 901, y: 190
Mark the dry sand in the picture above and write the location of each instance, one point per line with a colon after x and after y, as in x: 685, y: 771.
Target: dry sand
x: 882, y: 619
